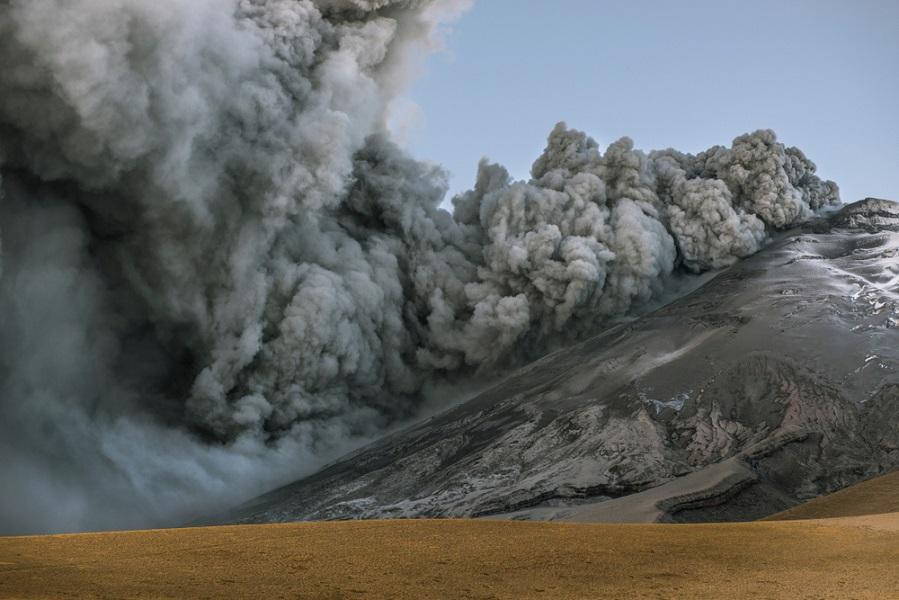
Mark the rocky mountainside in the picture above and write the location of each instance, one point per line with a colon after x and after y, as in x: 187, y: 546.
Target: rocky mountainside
x: 773, y: 383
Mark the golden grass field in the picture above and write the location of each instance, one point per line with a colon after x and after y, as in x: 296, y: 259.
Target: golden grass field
x: 878, y: 495
x: 851, y: 557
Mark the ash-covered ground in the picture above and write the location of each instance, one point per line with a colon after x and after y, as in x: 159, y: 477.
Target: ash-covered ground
x: 771, y: 384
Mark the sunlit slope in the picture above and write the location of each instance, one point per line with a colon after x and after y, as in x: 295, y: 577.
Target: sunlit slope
x: 839, y: 558
x: 878, y: 495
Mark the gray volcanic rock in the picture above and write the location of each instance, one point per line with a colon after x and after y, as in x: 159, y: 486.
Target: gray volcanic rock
x: 773, y: 383
x: 873, y: 214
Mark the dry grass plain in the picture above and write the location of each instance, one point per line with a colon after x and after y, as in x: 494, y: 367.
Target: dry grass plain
x: 878, y: 495
x: 819, y: 550
x: 838, y: 558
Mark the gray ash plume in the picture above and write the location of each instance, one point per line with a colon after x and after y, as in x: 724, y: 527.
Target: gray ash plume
x: 218, y: 271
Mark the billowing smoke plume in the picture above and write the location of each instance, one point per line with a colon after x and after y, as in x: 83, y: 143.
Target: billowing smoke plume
x: 217, y: 268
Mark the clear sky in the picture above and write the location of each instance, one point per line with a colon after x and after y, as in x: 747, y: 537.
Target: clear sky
x: 824, y: 74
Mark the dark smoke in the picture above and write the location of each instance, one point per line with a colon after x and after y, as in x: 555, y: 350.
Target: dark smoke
x: 217, y: 270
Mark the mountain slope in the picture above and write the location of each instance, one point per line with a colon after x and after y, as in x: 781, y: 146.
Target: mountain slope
x: 875, y: 496
x: 785, y: 363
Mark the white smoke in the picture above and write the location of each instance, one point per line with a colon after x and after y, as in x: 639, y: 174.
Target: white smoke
x: 217, y: 269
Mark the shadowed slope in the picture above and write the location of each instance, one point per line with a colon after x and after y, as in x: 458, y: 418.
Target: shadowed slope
x: 875, y: 496
x: 840, y: 558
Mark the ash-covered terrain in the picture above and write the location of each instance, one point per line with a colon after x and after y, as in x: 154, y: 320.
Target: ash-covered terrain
x: 773, y: 383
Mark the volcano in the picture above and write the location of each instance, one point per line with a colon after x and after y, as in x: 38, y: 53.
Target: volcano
x: 773, y: 383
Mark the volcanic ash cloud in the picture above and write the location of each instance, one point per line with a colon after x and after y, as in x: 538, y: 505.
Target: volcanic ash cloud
x: 216, y: 267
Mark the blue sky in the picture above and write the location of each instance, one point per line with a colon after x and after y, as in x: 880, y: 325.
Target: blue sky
x: 824, y: 74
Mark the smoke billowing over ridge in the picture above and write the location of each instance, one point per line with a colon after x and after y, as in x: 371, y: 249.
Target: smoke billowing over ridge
x: 216, y: 267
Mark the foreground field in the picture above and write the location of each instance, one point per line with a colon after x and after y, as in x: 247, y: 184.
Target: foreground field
x: 836, y: 558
